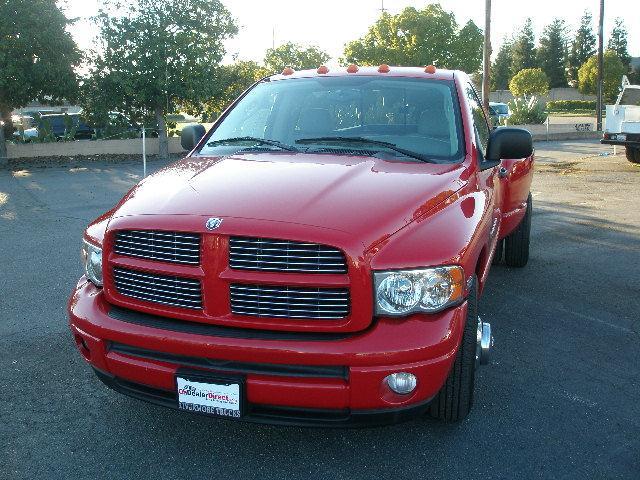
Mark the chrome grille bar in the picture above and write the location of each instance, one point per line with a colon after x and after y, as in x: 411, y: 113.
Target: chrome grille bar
x: 164, y: 289
x: 290, y: 302
x: 252, y: 253
x: 171, y: 247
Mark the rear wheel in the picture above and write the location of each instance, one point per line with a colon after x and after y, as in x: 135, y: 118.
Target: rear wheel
x: 454, y: 400
x: 516, y: 245
x: 633, y: 154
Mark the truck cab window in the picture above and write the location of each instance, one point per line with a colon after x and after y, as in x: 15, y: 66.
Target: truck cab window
x: 479, y: 119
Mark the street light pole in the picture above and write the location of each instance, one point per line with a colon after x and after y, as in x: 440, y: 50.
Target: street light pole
x: 600, y: 67
x: 486, y: 84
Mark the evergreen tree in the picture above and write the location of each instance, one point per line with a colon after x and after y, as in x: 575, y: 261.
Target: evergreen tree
x: 618, y: 42
x: 552, y: 53
x: 523, y: 54
x: 583, y: 46
x: 501, y: 67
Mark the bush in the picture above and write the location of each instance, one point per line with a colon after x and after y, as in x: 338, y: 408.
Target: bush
x: 526, y: 112
x: 613, y: 71
x: 528, y: 82
x: 570, y: 105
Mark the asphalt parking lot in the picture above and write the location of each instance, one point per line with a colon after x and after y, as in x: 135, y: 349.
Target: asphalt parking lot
x: 559, y: 401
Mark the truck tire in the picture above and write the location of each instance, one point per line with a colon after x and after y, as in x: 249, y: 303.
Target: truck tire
x: 633, y: 154
x: 516, y: 245
x: 454, y: 400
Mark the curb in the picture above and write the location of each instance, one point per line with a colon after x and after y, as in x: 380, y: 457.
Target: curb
x: 541, y: 137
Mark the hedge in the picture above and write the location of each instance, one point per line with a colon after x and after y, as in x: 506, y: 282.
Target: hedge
x: 570, y: 105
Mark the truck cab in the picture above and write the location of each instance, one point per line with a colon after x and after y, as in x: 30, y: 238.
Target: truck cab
x: 318, y: 256
x: 622, y: 125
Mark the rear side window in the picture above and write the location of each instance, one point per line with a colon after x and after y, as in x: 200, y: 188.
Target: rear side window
x: 479, y: 120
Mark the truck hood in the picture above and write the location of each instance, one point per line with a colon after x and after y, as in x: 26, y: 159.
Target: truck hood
x: 367, y: 197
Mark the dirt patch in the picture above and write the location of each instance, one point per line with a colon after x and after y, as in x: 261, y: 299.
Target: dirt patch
x: 561, y: 168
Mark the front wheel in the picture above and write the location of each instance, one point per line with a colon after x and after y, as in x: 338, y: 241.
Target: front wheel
x: 516, y: 245
x: 633, y: 154
x: 454, y: 400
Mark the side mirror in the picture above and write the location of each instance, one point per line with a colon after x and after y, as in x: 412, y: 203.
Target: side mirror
x: 508, y: 142
x: 191, y: 135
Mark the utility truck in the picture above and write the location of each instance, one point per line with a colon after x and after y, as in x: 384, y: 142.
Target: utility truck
x: 623, y: 121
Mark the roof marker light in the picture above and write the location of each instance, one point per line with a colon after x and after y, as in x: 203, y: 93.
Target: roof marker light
x: 288, y: 71
x: 430, y: 69
x: 384, y: 68
x: 353, y: 68
x: 322, y: 69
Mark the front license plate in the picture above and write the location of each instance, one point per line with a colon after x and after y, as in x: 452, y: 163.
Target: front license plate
x: 218, y: 396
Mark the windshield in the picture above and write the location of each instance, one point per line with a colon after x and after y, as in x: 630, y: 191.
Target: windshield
x: 393, y: 117
x: 58, y: 121
x: 500, y: 108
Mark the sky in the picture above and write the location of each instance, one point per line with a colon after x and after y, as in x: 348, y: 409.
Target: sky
x: 329, y: 24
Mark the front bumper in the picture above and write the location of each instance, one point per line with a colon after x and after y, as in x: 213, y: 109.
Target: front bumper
x: 291, y: 377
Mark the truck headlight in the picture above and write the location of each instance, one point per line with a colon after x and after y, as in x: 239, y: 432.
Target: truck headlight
x: 402, y: 292
x: 92, y: 260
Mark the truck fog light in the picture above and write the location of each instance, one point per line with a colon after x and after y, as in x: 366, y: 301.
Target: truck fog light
x: 402, y: 382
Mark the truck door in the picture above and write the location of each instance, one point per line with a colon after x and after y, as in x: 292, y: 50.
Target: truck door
x: 487, y: 179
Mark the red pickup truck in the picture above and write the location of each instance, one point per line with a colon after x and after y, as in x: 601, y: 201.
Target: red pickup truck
x: 318, y: 256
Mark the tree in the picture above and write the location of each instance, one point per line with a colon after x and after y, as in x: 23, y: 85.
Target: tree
x: 552, y: 53
x: 294, y: 56
x: 233, y: 80
x: 618, y: 42
x: 37, y: 57
x: 501, y: 67
x: 157, y: 56
x: 419, y: 37
x: 530, y: 81
x: 583, y: 46
x: 613, y: 71
x: 523, y: 53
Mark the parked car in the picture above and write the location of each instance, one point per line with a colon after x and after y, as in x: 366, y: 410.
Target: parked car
x: 317, y: 258
x: 500, y: 110
x: 118, y: 126
x: 23, y: 127
x: 623, y: 121
x: 58, y: 125
x: 24, y: 121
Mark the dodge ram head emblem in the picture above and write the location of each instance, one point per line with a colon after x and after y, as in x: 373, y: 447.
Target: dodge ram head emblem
x: 213, y: 223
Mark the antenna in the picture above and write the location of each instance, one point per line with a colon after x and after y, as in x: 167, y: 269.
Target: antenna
x: 382, y: 9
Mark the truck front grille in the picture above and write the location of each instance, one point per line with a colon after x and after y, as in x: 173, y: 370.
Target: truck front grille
x: 164, y: 289
x: 172, y: 247
x: 250, y: 253
x: 289, y: 302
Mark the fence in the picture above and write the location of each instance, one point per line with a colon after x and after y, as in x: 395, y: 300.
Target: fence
x: 563, y: 128
x: 89, y: 147
x: 556, y: 128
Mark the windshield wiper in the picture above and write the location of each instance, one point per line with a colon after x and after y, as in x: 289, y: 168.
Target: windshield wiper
x: 380, y: 143
x: 261, y: 141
